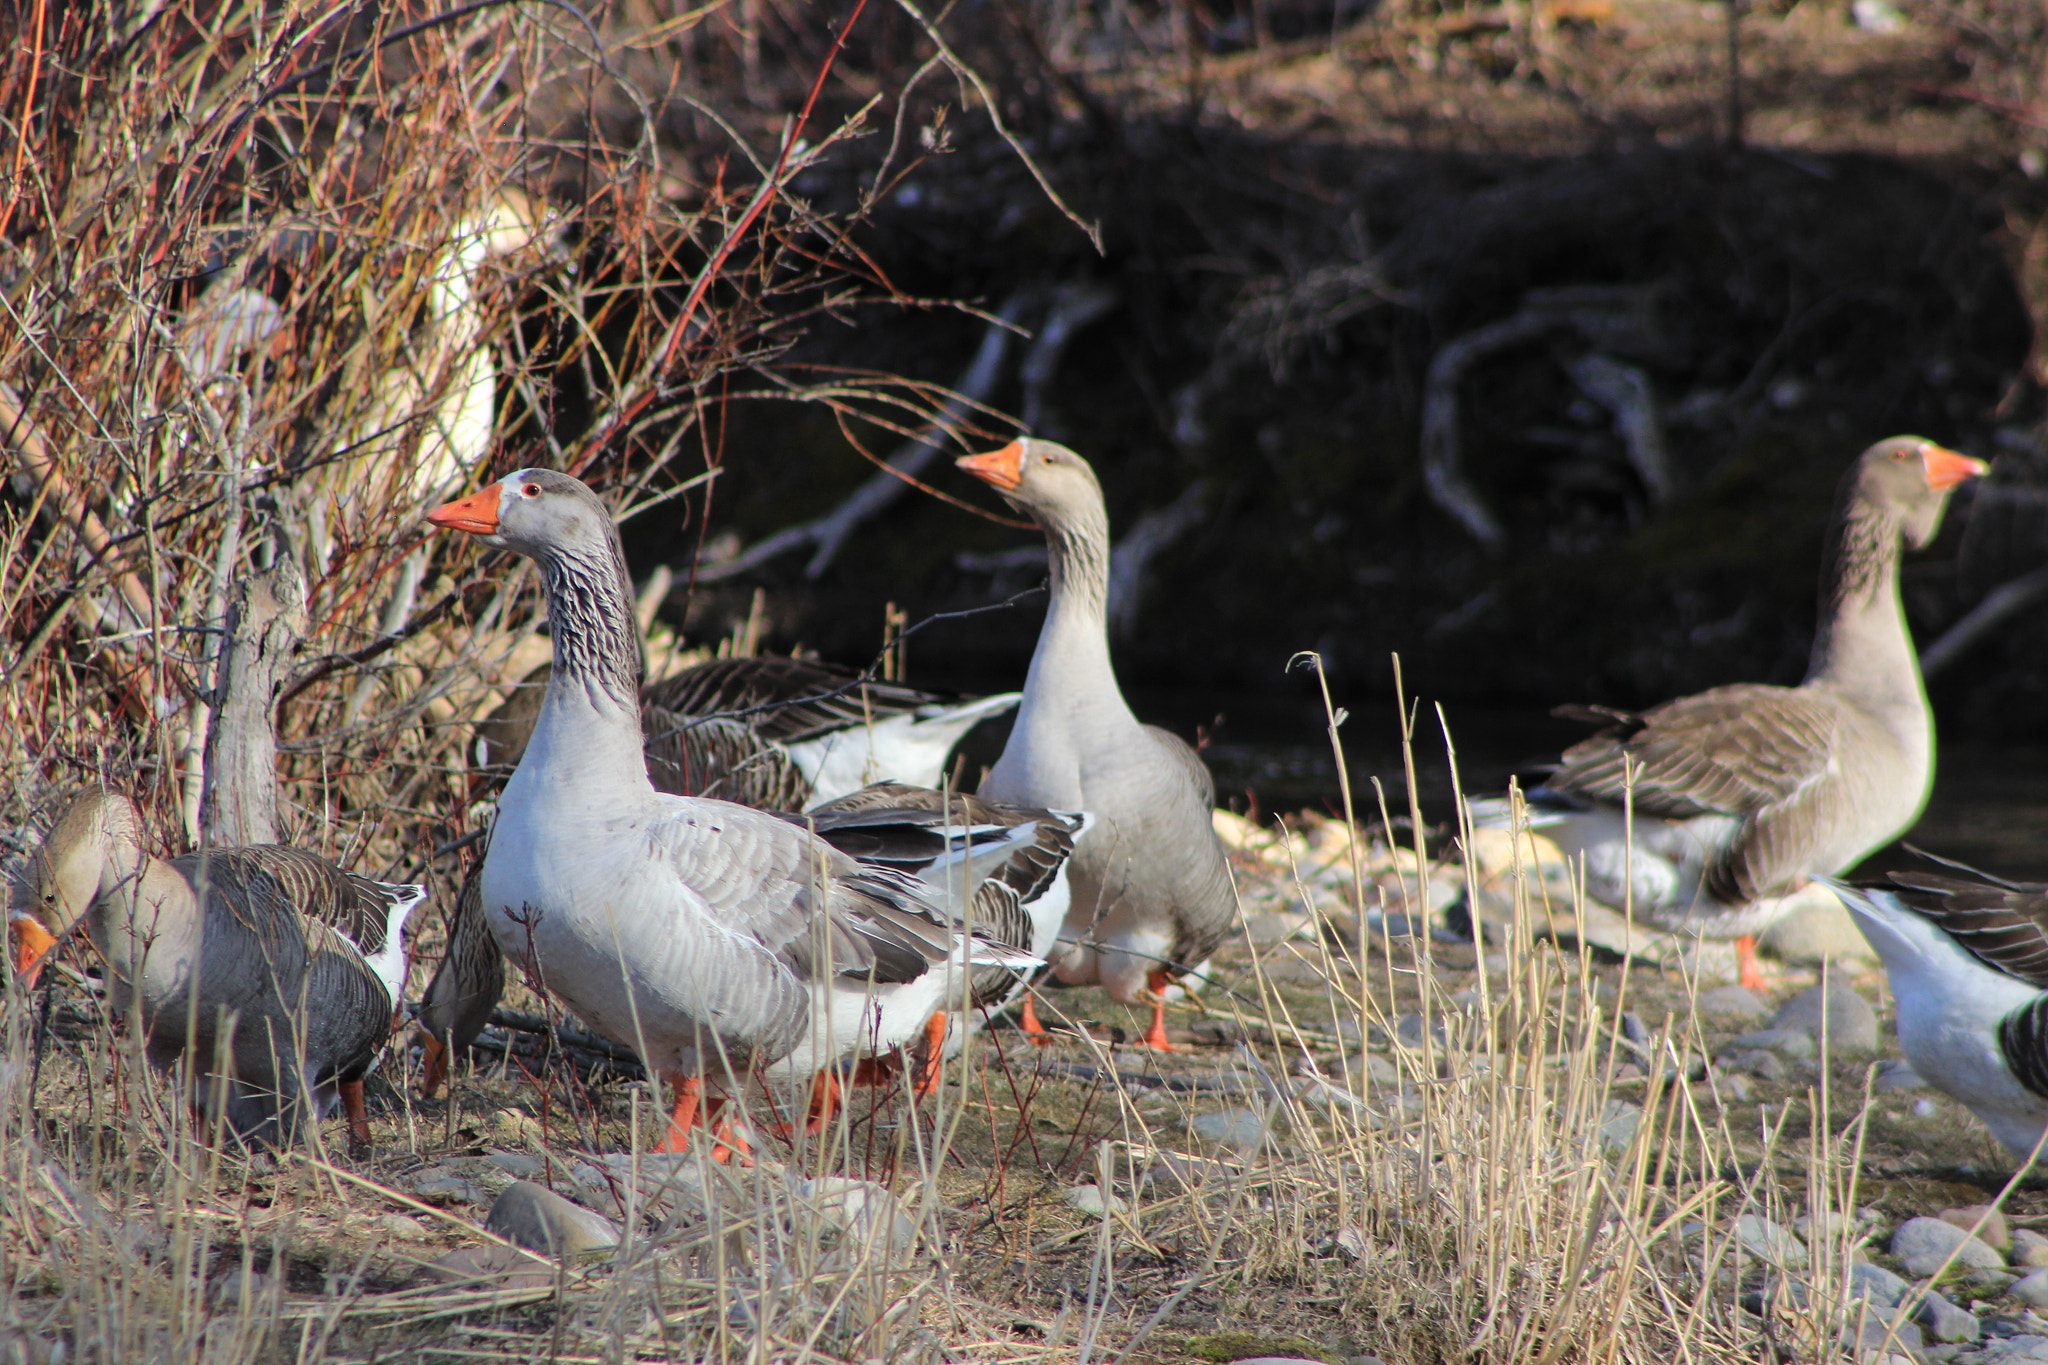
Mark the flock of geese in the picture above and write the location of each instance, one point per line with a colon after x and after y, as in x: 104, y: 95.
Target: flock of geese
x: 702, y: 870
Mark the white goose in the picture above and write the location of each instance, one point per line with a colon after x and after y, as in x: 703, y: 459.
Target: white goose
x: 1743, y: 793
x: 1152, y: 895
x: 1969, y: 969
x: 715, y: 940
x: 309, y: 958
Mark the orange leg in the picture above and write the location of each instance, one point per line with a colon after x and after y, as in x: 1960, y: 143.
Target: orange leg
x: 358, y: 1115
x: 933, y: 1058
x: 1156, y: 1039
x: 1751, y: 969
x: 689, y: 1096
x: 729, y: 1143
x: 825, y: 1100
x: 1027, y: 1020
x: 435, y: 1054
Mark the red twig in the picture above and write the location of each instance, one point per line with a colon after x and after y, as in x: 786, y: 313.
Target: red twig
x: 10, y: 193
x: 842, y: 412
x: 679, y: 332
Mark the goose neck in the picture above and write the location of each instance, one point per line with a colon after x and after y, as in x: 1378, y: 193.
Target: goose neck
x: 1071, y: 662
x: 589, y: 722
x: 1861, y: 644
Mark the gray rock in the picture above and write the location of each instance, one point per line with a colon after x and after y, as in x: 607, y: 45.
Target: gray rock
x: 538, y: 1219
x: 1737, y: 1003
x: 2029, y: 1248
x: 2021, y: 1350
x: 1790, y: 1043
x: 1944, y: 1321
x: 439, y: 1183
x: 1408, y: 1031
x: 1734, y: 1087
x: 2032, y: 1289
x: 1895, y: 1074
x: 1823, y: 1225
x: 1884, y: 1329
x: 2025, y: 1323
x: 518, y: 1165
x: 1850, y: 1022
x: 1618, y: 1127
x: 1317, y: 1093
x: 1990, y: 1283
x: 1278, y: 926
x: 1373, y: 1068
x: 1769, y: 1243
x: 1178, y: 1174
x: 1231, y: 1127
x: 1765, y: 1066
x: 1820, y: 931
x: 862, y: 1210
x: 1090, y: 1200
x: 1923, y: 1245
x: 501, y: 1267
x: 1874, y: 1284
x: 1993, y: 1232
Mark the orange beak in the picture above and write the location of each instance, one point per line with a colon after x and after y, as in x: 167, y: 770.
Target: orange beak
x: 32, y: 943
x: 1945, y: 468
x: 476, y: 514
x: 1002, y: 469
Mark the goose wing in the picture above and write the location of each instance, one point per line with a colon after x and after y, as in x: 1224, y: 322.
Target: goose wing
x: 786, y: 699
x: 2005, y: 927
x: 1736, y: 750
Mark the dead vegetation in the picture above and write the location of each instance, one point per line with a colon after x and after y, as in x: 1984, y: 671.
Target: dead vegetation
x: 231, y: 234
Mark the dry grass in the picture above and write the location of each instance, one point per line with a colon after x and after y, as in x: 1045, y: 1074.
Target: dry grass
x: 1480, y: 1204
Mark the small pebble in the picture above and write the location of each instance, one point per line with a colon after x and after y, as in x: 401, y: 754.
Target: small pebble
x: 1732, y: 1002
x: 2021, y: 1350
x: 1232, y: 1127
x: 1895, y: 1074
x: 1923, y: 1245
x: 1990, y: 1283
x: 1790, y: 1043
x: 1765, y: 1066
x: 1089, y: 1200
x: 1735, y: 1087
x: 1769, y: 1243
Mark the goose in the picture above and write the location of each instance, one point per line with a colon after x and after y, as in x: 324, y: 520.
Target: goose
x: 1151, y: 885
x: 774, y: 732
x: 1968, y: 964
x: 1743, y: 793
x: 716, y: 941
x: 308, y: 959
x: 1015, y: 858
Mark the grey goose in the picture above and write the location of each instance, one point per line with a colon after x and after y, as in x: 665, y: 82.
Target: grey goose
x: 717, y: 941
x: 1743, y: 793
x: 307, y: 960
x: 1152, y: 895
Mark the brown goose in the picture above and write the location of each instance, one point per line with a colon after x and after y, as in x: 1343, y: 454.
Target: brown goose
x: 715, y: 940
x: 1151, y: 887
x: 1744, y: 793
x: 1968, y: 964
x: 308, y: 957
x: 771, y: 732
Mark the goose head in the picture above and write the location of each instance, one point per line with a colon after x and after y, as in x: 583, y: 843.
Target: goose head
x: 94, y: 847
x: 1049, y: 481
x: 534, y: 512
x: 1909, y: 478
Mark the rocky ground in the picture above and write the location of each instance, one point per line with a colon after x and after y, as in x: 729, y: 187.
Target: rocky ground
x: 1791, y: 1183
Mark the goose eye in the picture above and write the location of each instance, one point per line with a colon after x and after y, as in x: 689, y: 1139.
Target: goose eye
x: 531, y: 490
